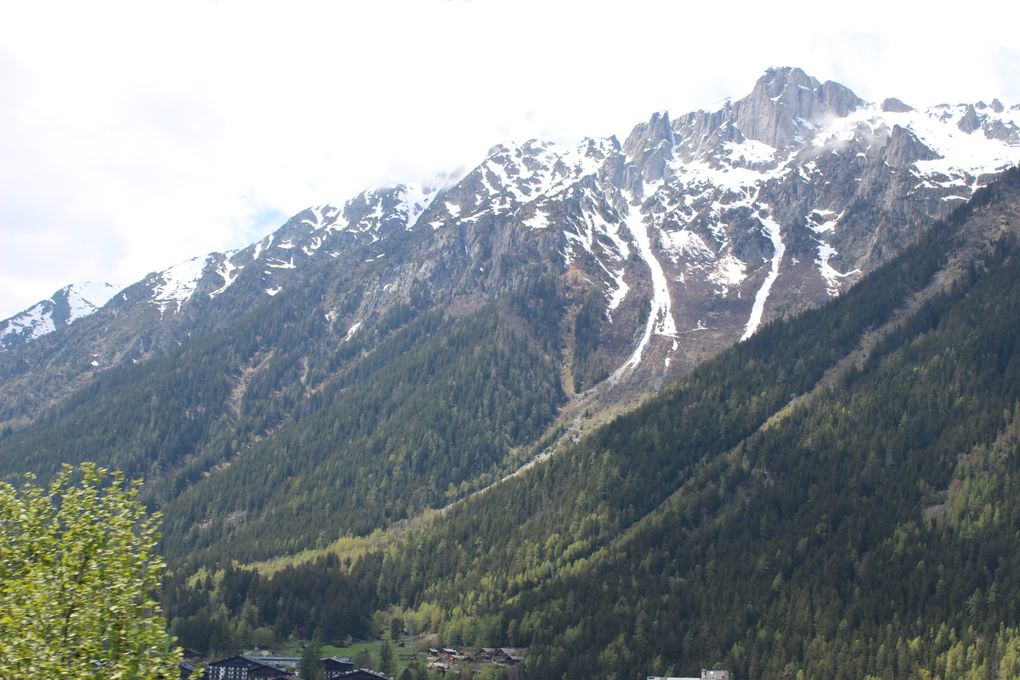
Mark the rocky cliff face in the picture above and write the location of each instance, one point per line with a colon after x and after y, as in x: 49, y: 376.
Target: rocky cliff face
x: 687, y: 236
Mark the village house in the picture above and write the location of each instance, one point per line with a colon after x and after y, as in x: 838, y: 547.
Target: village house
x: 363, y: 674
x: 335, y: 667
x: 244, y: 668
x: 501, y: 655
x: 437, y: 666
x: 277, y: 668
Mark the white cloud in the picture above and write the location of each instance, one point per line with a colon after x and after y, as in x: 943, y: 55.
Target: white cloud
x: 134, y: 135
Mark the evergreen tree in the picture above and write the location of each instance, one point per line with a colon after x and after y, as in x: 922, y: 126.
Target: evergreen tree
x: 311, y: 667
x: 386, y: 666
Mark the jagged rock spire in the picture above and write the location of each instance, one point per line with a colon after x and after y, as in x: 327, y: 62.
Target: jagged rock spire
x: 786, y: 100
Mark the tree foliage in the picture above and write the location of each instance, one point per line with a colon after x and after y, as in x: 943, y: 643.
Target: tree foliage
x: 78, y: 575
x: 311, y: 667
x: 243, y: 608
x: 386, y: 661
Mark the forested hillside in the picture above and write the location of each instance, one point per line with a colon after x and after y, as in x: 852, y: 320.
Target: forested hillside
x: 871, y: 532
x: 832, y: 498
x: 411, y: 413
x: 720, y: 394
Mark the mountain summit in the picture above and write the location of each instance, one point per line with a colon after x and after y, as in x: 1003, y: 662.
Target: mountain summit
x: 67, y: 305
x: 786, y: 104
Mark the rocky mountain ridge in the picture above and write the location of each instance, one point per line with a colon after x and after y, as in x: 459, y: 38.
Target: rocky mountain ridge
x: 64, y: 307
x: 691, y: 233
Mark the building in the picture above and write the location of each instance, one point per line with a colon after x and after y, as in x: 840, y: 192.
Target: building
x: 244, y: 668
x: 363, y: 674
x: 501, y: 655
x: 286, y: 662
x: 335, y: 667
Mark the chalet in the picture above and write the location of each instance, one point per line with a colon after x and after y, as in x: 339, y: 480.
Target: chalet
x: 244, y: 668
x: 501, y: 655
x: 447, y: 655
x: 506, y: 657
x: 363, y: 674
x: 335, y: 667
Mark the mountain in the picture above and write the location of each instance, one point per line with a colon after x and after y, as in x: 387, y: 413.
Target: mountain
x: 365, y: 362
x: 434, y: 402
x: 687, y: 236
x: 834, y: 497
x: 866, y: 526
x: 64, y: 307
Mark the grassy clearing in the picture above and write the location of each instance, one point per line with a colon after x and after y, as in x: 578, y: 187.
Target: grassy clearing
x: 356, y: 649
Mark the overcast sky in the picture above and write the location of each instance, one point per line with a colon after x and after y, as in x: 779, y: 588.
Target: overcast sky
x: 135, y: 135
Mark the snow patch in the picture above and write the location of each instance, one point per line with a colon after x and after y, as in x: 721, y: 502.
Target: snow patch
x: 415, y: 201
x: 313, y: 245
x: 316, y: 211
x: 178, y: 283
x: 823, y: 221
x: 278, y: 263
x: 699, y: 173
x: 774, y: 232
x: 618, y: 294
x: 34, y: 322
x: 227, y: 270
x: 85, y: 298
x: 660, y: 316
x: 829, y: 274
x: 262, y: 246
x: 538, y: 221
x: 729, y: 271
x: 685, y: 243
x: 962, y: 157
x: 749, y: 151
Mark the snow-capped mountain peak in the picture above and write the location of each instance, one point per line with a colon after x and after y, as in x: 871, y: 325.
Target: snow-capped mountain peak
x: 691, y: 234
x: 67, y: 305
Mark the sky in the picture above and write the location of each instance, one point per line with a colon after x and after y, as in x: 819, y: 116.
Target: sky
x: 135, y: 135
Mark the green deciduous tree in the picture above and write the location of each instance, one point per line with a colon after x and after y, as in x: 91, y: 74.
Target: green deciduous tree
x: 78, y: 575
